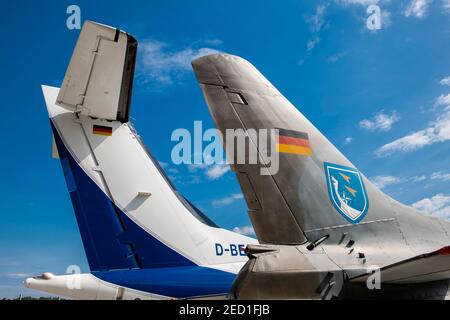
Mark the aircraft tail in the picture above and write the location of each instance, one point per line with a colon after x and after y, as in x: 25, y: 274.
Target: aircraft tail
x: 315, y: 191
x: 128, y: 213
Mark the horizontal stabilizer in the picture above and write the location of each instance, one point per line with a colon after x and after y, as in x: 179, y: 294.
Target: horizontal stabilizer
x: 99, y: 78
x: 428, y: 267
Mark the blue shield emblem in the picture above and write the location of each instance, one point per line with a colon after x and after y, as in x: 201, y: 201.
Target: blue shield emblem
x: 347, y: 192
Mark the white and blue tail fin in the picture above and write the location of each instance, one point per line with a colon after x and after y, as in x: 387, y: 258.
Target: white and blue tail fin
x: 128, y: 213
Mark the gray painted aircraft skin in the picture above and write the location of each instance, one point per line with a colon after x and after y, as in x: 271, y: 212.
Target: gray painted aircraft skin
x: 315, y: 243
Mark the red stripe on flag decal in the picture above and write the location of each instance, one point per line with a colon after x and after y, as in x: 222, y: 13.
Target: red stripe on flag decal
x: 293, y: 141
x: 103, y: 130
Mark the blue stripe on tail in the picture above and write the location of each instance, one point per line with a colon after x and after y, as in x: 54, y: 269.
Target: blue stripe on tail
x: 111, y: 240
x: 180, y: 282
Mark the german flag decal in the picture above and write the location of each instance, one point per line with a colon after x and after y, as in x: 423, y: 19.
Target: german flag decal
x: 293, y: 142
x: 102, y: 130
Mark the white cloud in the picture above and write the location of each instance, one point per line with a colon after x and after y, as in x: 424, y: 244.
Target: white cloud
x: 385, y: 18
x: 227, y: 200
x: 410, y: 142
x: 381, y: 122
x: 175, y: 176
x: 438, y: 205
x: 195, y: 167
x: 245, y: 230
x: 446, y: 81
x: 317, y: 21
x: 162, y: 66
x: 212, y: 171
x: 193, y: 179
x: 216, y: 171
x: 443, y: 100
x: 185, y: 179
x: 383, y: 181
x: 417, y: 8
x: 418, y: 178
x: 348, y: 140
x: 446, y: 5
x: 440, y: 176
x: 336, y: 57
x: 357, y: 2
x: 163, y: 164
x: 173, y: 170
x: 437, y: 131
x: 312, y: 43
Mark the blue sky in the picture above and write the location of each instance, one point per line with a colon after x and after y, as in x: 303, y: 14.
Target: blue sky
x: 382, y: 97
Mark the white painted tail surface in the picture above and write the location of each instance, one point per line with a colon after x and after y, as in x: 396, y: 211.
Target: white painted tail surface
x: 125, y: 172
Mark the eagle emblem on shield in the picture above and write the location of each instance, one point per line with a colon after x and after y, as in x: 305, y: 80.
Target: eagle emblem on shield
x: 346, y: 191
